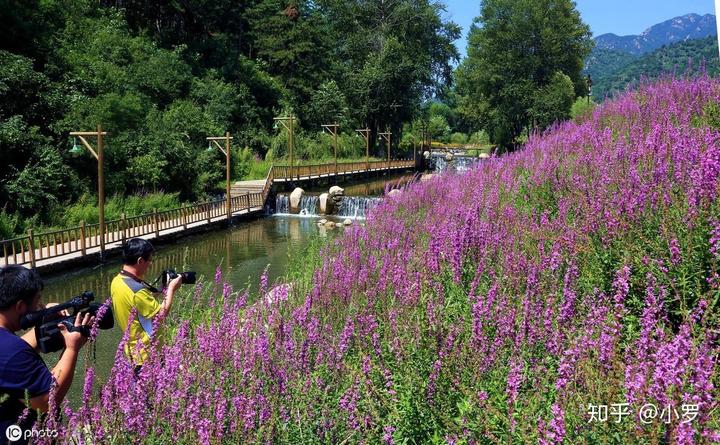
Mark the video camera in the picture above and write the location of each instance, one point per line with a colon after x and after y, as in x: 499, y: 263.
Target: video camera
x: 46, y: 321
x: 169, y: 275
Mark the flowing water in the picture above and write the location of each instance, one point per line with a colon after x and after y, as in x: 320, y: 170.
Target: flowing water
x: 457, y: 162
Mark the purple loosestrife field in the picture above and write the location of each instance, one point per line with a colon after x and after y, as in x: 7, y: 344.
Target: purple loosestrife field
x: 509, y: 304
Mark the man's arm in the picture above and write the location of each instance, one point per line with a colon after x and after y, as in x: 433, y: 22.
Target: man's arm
x: 31, y: 339
x: 63, y: 373
x: 65, y: 368
x: 166, y: 304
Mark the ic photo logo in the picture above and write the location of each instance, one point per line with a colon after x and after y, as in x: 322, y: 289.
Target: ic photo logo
x: 15, y: 433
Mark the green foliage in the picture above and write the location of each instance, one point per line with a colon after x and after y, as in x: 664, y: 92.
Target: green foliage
x: 33, y: 187
x: 86, y: 207
x: 23, y: 91
x: 627, y: 70
x: 395, y: 55
x: 161, y: 77
x: 9, y: 224
x: 316, y: 146
x: 328, y: 105
x: 479, y: 137
x: 602, y: 65
x: 147, y: 169
x: 458, y: 138
x: 439, y: 128
x: 553, y: 102
x: 505, y: 72
x: 582, y: 107
x: 710, y: 116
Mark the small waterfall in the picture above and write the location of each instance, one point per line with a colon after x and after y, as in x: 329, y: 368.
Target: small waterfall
x: 350, y: 206
x: 308, y: 205
x: 282, y: 203
x: 458, y: 163
x: 357, y: 206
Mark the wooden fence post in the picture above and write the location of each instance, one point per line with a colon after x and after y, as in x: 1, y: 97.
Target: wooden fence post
x: 31, y: 250
x: 83, y: 232
x: 123, y: 227
x: 155, y: 223
x: 209, y: 214
x: 184, y: 218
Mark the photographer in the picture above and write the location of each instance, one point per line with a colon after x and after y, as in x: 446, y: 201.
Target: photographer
x: 130, y: 290
x: 22, y: 370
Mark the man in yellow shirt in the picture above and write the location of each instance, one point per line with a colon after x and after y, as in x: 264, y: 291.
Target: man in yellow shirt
x: 130, y: 290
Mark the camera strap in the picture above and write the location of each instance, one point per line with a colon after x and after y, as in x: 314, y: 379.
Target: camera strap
x: 149, y: 286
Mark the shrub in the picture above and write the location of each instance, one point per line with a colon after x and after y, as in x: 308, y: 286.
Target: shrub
x: 458, y: 138
x: 582, y: 107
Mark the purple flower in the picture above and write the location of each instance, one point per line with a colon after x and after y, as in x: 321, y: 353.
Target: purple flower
x: 715, y: 237
x: 94, y: 329
x: 674, y: 252
x: 388, y: 434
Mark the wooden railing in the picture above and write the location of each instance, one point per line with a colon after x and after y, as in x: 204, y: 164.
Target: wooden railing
x: 87, y: 236
x: 31, y: 248
x: 300, y: 171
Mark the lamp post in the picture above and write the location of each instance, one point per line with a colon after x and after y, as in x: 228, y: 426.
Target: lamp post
x: 226, y: 151
x: 99, y: 155
x: 333, y: 130
x: 291, y: 136
x: 365, y: 132
x: 388, y: 138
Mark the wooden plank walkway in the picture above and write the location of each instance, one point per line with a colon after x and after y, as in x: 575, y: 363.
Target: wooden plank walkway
x: 117, y: 245
x: 246, y: 198
x: 244, y: 187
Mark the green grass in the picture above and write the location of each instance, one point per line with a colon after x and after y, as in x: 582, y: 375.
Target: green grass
x: 259, y: 169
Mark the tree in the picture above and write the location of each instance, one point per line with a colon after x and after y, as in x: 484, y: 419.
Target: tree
x: 393, y: 55
x: 294, y: 41
x: 438, y: 128
x: 515, y: 49
x: 553, y: 102
x: 328, y: 105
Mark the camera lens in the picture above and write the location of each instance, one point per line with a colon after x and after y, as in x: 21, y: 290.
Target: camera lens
x: 188, y: 278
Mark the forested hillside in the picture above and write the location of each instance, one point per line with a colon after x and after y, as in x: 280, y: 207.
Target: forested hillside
x: 162, y: 76
x: 613, y: 71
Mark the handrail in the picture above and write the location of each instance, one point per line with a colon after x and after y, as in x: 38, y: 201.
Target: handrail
x: 31, y: 248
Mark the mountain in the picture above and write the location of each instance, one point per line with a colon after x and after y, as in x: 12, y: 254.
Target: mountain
x: 613, y: 71
x: 678, y: 29
x: 604, y: 63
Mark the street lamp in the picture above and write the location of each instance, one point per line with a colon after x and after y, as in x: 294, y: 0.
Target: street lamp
x: 99, y: 155
x: 365, y: 132
x: 388, y: 138
x: 291, y: 136
x: 333, y: 130
x: 226, y: 151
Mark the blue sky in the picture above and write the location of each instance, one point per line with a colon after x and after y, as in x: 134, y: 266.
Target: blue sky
x: 621, y: 17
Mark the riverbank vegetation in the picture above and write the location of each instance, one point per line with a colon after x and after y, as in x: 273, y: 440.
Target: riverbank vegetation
x: 161, y: 77
x: 505, y: 304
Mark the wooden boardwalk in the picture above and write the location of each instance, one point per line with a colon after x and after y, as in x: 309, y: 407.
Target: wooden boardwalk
x: 43, y: 250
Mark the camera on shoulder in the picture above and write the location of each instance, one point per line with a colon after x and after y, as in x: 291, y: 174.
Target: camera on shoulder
x: 46, y: 321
